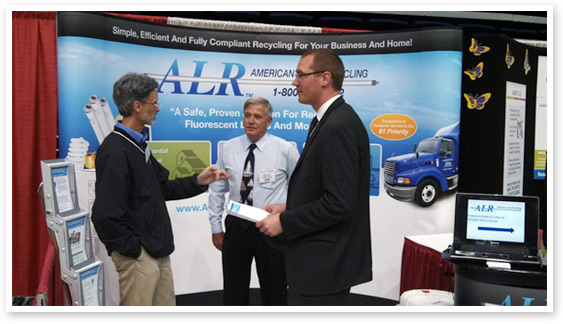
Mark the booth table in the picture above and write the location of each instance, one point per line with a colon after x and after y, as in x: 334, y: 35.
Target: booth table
x: 422, y: 265
x: 478, y: 284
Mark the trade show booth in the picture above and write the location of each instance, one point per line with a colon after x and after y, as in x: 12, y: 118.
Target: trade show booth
x: 448, y: 112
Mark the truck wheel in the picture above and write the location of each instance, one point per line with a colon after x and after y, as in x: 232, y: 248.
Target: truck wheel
x: 427, y: 193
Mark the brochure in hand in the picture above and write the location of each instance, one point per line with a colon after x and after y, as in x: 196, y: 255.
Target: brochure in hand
x: 249, y: 213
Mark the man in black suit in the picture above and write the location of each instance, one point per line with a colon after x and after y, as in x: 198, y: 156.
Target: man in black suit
x: 325, y: 221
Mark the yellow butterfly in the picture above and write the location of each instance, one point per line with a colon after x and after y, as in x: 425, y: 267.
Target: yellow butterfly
x: 509, y: 59
x: 476, y: 72
x: 527, y: 66
x: 477, y: 102
x: 477, y: 48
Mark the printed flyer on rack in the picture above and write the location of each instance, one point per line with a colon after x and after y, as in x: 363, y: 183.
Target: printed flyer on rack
x: 405, y: 86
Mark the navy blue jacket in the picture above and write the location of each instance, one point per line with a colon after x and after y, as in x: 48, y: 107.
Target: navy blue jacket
x: 327, y: 220
x: 130, y: 209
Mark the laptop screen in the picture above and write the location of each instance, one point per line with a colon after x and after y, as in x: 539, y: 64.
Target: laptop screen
x: 496, y: 220
x: 487, y: 219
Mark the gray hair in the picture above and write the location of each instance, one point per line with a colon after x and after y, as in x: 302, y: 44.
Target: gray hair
x: 260, y: 101
x: 130, y: 88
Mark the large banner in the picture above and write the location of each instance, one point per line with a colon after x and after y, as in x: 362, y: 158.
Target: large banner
x: 406, y: 87
x: 540, y: 142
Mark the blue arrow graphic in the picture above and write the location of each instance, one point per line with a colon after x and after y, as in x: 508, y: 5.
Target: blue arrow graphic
x: 481, y: 228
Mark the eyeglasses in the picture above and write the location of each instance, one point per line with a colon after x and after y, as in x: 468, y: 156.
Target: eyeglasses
x: 302, y: 75
x: 152, y: 103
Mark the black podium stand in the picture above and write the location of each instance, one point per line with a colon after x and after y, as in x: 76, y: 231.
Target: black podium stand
x: 478, y: 285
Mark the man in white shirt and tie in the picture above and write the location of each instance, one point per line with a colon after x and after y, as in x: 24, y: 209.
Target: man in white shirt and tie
x: 260, y: 165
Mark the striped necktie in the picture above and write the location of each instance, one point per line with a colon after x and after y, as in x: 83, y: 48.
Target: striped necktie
x: 248, y: 177
x: 312, y: 126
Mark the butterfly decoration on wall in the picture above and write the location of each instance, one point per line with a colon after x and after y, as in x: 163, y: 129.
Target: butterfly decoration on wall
x: 508, y: 58
x: 527, y: 66
x: 477, y: 102
x: 476, y: 48
x: 475, y: 72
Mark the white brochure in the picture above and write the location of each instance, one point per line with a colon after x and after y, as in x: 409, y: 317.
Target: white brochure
x: 77, y: 240
x: 253, y: 214
x: 89, y: 286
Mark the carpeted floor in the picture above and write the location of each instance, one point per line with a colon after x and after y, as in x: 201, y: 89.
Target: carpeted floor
x: 214, y: 298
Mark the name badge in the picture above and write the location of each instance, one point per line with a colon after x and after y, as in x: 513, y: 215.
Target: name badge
x: 267, y: 176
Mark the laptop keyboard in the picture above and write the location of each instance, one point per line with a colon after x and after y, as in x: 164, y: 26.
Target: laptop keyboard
x: 495, y: 249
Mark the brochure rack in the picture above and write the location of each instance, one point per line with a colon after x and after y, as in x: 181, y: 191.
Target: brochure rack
x: 69, y: 228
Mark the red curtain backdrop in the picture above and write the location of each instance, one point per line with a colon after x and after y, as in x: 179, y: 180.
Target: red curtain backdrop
x: 153, y: 19
x: 424, y: 268
x: 34, y: 138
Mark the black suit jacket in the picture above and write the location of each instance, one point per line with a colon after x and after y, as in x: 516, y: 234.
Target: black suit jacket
x: 326, y: 222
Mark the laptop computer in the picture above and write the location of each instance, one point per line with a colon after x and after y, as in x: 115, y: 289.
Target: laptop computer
x: 496, y: 228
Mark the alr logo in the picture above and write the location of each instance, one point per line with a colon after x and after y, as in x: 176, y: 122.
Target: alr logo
x: 173, y: 78
x: 527, y: 301
x: 483, y: 208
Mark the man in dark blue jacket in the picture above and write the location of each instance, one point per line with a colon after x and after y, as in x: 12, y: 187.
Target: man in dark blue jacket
x: 325, y: 221
x: 129, y: 213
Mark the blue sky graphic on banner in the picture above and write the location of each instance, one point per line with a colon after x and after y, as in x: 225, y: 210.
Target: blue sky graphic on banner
x: 419, y: 85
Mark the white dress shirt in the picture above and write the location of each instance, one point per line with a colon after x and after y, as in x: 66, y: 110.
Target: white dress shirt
x: 273, y: 155
x: 322, y: 110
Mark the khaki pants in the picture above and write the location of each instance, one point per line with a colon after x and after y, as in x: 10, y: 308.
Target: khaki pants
x: 144, y: 281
